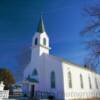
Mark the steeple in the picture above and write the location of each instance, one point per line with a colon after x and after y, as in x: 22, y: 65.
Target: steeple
x: 41, y: 27
x: 40, y: 41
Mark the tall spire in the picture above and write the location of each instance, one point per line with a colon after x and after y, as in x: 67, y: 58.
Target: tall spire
x: 41, y: 27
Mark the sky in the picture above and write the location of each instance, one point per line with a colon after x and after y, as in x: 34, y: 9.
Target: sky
x: 64, y: 19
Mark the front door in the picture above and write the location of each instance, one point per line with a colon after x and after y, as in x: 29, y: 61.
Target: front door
x: 32, y: 91
x: 51, y: 97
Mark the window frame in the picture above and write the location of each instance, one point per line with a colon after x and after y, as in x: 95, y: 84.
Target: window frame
x: 96, y: 83
x: 90, y: 84
x: 36, y: 41
x: 81, y: 81
x: 44, y: 41
x: 53, y: 80
x: 35, y: 72
x: 69, y: 79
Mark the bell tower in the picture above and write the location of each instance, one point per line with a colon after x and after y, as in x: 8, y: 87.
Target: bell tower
x: 40, y: 43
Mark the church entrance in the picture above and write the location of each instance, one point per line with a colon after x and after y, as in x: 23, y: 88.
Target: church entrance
x: 50, y: 97
x: 32, y: 91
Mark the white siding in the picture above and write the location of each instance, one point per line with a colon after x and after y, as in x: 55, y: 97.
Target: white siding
x: 76, y: 91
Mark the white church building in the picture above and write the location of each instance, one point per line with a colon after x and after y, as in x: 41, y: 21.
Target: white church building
x: 49, y: 76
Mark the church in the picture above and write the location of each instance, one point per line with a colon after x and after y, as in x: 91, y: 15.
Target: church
x: 48, y: 76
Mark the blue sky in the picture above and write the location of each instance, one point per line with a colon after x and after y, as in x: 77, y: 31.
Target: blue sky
x: 64, y: 19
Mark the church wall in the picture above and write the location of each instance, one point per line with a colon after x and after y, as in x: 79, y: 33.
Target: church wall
x: 45, y: 64
x: 36, y: 63
x: 42, y: 36
x: 76, y: 91
x: 52, y: 64
x: 40, y: 48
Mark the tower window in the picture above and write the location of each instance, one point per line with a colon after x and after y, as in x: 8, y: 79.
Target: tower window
x: 53, y: 81
x: 36, y: 41
x: 34, y: 73
x: 81, y: 81
x: 96, y: 83
x: 44, y: 41
x: 69, y: 80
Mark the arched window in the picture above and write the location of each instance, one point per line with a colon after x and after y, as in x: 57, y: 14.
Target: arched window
x: 44, y: 41
x: 34, y: 73
x: 96, y: 83
x: 53, y: 79
x: 81, y: 81
x: 36, y: 41
x: 69, y: 80
x: 90, y: 85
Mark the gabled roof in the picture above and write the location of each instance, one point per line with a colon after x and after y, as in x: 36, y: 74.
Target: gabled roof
x: 41, y: 27
x: 70, y: 63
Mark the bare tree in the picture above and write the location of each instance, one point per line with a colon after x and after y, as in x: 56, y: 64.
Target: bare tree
x: 24, y: 56
x: 92, y: 30
x: 23, y: 59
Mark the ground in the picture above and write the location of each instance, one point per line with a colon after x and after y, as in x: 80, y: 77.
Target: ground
x: 90, y: 99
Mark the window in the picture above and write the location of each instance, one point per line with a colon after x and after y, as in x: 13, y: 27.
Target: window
x: 96, y: 83
x: 52, y: 77
x: 36, y: 41
x: 44, y: 41
x: 34, y: 73
x: 69, y: 80
x: 81, y: 81
x: 89, y: 82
